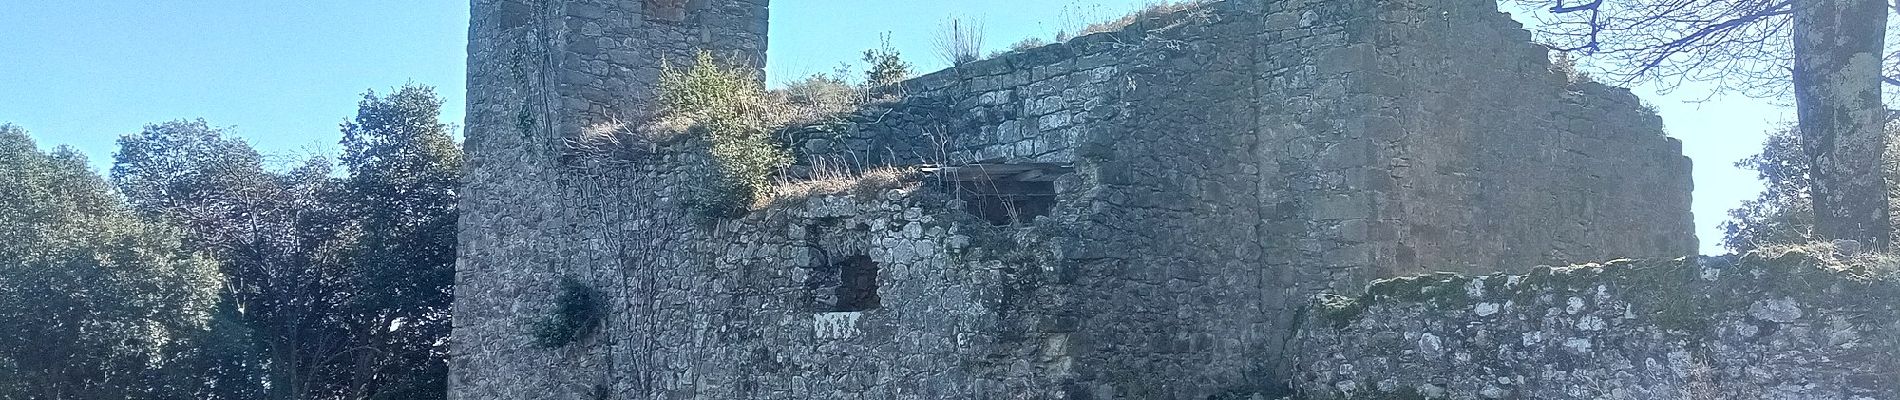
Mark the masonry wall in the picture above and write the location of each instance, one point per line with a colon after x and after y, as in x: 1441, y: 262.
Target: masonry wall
x: 1166, y: 266
x: 539, y: 72
x: 693, y: 307
x: 1787, y: 327
x: 1180, y: 238
x: 1148, y: 234
x: 1496, y: 160
x: 753, y: 318
x: 1229, y: 162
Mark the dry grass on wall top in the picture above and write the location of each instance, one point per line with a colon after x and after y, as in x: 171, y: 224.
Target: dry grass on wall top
x: 816, y: 99
x: 1150, y: 10
x: 829, y: 180
x: 619, y: 142
x: 1841, y: 257
x: 726, y: 113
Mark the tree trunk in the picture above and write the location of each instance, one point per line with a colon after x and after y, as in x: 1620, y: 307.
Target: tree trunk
x: 363, y: 366
x: 282, y: 375
x: 360, y: 373
x: 286, y: 379
x: 285, y: 366
x: 1837, y: 54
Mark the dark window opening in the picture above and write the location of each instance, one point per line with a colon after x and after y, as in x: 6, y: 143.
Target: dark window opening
x: 1007, y: 203
x: 848, y: 284
x: 1003, y: 194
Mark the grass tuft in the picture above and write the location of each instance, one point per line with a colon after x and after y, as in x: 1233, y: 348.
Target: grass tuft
x: 1151, y: 10
x: 828, y: 180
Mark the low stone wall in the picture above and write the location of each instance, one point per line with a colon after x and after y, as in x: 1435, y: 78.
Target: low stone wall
x: 1787, y: 327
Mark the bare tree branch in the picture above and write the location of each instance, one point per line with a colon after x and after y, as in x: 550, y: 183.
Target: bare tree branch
x: 1561, y: 9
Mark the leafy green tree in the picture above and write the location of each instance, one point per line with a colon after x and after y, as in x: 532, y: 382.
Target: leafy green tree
x: 94, y: 300
x: 338, y: 287
x: 404, y: 169
x: 1784, y: 211
x: 1781, y: 214
x: 278, y: 239
x: 223, y: 362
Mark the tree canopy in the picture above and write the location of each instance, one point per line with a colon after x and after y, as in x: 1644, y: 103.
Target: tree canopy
x: 199, y: 271
x: 97, y: 301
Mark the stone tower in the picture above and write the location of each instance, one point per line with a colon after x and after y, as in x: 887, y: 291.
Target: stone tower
x: 539, y: 71
x: 1135, y: 214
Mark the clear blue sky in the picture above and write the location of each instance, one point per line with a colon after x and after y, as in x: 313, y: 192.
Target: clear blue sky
x: 283, y: 73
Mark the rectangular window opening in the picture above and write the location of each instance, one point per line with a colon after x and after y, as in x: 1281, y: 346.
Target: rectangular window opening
x: 1003, y: 194
x: 844, y: 285
x: 1007, y: 203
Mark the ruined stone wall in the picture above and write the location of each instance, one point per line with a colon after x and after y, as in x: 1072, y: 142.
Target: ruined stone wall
x: 1261, y: 152
x: 698, y: 308
x: 1182, y: 243
x: 1492, y: 159
x: 1166, y: 266
x: 1026, y: 106
x: 763, y: 311
x: 539, y: 72
x: 1228, y: 162
x: 1156, y: 263
x: 1783, y: 328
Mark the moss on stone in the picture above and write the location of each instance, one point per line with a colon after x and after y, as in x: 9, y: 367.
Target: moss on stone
x: 1340, y: 310
x: 1443, y: 288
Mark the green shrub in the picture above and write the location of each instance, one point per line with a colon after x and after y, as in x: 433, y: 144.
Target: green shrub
x: 575, y: 313
x: 735, y: 117
x: 820, y: 90
x: 886, y: 66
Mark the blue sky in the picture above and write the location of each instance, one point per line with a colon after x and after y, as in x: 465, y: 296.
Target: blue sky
x: 284, y: 73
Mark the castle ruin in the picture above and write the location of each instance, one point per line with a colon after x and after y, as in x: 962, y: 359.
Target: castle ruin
x: 1140, y: 214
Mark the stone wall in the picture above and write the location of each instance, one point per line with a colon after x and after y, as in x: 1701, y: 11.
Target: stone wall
x: 539, y: 72
x: 758, y: 312
x: 1026, y: 106
x: 1491, y: 159
x: 1178, y: 248
x: 1789, y: 327
x: 1261, y: 152
x: 1228, y: 163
